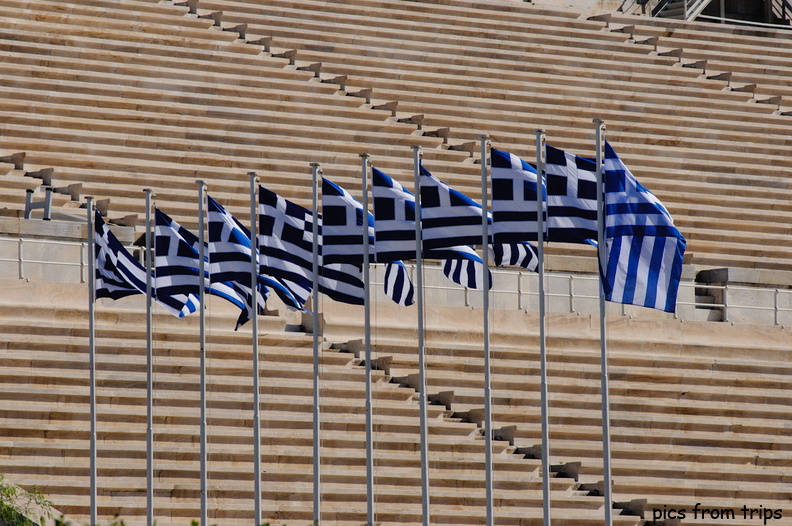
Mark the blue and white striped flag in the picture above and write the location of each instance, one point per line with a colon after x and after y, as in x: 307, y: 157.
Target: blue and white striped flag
x: 448, y: 217
x: 342, y: 233
x: 229, y: 256
x: 514, y: 206
x: 394, y: 218
x: 522, y: 255
x: 286, y: 241
x: 644, y: 249
x: 118, y: 274
x: 176, y: 268
x: 571, y: 197
x: 394, y: 224
x: 466, y: 269
x: 342, y: 226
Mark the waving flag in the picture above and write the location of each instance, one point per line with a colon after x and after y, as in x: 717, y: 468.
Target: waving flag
x: 118, y: 274
x: 229, y: 256
x: 286, y: 241
x: 176, y: 253
x: 644, y: 249
x: 342, y: 226
x: 514, y: 206
x: 448, y: 217
x: 571, y: 197
x: 394, y: 218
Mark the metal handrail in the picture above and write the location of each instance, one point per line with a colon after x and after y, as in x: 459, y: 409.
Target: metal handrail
x: 21, y: 261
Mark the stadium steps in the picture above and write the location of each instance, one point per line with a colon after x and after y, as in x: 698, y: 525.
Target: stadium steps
x: 108, y: 45
x: 51, y: 426
x: 313, y: 45
x: 691, y: 415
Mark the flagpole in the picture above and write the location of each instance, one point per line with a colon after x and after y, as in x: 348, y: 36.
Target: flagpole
x: 202, y: 335
x: 89, y: 205
x: 540, y: 143
x: 254, y: 181
x: 365, y: 160
x: 421, y: 346
x: 485, y: 306
x: 606, y: 436
x: 149, y: 367
x: 317, y: 489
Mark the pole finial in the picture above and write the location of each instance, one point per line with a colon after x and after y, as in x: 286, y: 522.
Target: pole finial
x: 365, y: 156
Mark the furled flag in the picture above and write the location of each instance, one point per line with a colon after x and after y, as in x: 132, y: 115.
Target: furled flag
x: 398, y: 286
x: 286, y: 242
x: 466, y: 269
x: 176, y: 264
x: 571, y: 197
x: 644, y: 249
x: 118, y: 274
x: 522, y: 255
x: 342, y: 233
x: 230, y: 252
x: 514, y: 206
x: 448, y: 217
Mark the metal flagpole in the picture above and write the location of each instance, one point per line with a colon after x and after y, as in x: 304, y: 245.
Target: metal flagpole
x: 92, y: 352
x: 540, y: 147
x: 317, y: 488
x: 202, y: 333
x: 254, y: 180
x: 606, y: 436
x: 485, y: 306
x: 149, y: 366
x: 365, y: 160
x: 421, y: 346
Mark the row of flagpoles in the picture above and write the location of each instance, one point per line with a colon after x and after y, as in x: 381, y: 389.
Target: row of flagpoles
x: 298, y: 252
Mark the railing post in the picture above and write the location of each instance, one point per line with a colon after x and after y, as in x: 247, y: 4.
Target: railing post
x: 467, y: 303
x: 519, y: 291
x: 726, y: 302
x: 21, y: 260
x: 775, y: 307
x: 571, y: 295
x: 82, y: 261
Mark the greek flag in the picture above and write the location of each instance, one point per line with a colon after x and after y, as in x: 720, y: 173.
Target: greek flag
x: 394, y: 223
x: 514, y: 207
x: 394, y: 218
x: 342, y: 226
x: 229, y: 256
x: 394, y: 226
x: 398, y: 286
x: 571, y: 197
x: 118, y: 274
x: 522, y: 255
x: 644, y: 249
x: 286, y: 241
x: 342, y: 232
x: 448, y: 217
x: 176, y: 268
